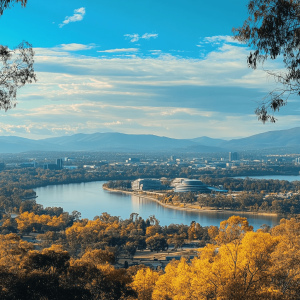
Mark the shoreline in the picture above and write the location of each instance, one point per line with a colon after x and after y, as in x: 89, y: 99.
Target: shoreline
x: 189, y: 208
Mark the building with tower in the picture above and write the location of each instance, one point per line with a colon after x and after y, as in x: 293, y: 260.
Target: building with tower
x: 233, y: 156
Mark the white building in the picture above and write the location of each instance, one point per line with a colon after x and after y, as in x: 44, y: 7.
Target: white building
x: 191, y: 185
x: 146, y: 184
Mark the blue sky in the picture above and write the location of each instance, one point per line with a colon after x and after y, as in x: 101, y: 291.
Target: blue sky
x: 166, y: 67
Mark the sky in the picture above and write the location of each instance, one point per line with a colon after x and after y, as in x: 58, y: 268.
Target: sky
x: 168, y: 68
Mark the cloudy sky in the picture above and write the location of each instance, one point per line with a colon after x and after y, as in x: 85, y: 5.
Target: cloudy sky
x: 158, y: 67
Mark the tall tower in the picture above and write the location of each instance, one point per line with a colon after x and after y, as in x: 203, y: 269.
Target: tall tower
x: 59, y: 163
x: 233, y: 156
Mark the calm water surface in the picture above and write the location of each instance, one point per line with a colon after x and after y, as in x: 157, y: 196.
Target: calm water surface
x: 91, y: 200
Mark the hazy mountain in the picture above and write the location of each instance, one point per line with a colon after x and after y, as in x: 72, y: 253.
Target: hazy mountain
x: 207, y: 141
x: 270, y: 139
x: 15, y: 144
x: 200, y: 148
x: 113, y: 141
x: 118, y: 141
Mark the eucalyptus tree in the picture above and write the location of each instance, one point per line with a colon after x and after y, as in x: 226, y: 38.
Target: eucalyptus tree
x: 16, y: 65
x: 272, y: 30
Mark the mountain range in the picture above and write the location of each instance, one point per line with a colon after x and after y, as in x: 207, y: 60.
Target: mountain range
x: 113, y: 141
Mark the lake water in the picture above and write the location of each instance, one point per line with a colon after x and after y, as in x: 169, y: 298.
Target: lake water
x: 275, y: 177
x: 91, y: 200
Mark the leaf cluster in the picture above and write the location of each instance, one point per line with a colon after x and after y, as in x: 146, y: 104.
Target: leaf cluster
x: 272, y: 30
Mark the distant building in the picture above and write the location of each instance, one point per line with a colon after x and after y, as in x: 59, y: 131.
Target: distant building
x: 147, y: 184
x: 59, y: 163
x: 199, y: 165
x: 133, y: 159
x: 50, y: 166
x: 177, y: 181
x: 13, y: 165
x: 297, y: 160
x: 70, y: 167
x: 190, y: 185
x: 230, y: 165
x: 233, y: 156
x: 30, y: 164
x: 89, y: 166
x: 173, y: 158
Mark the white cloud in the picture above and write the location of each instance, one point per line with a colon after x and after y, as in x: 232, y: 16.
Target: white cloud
x: 167, y: 95
x: 135, y: 37
x: 61, y: 74
x: 120, y: 50
x: 220, y: 39
x: 155, y: 52
x: 59, y: 119
x: 75, y: 47
x: 147, y: 36
x: 77, y: 16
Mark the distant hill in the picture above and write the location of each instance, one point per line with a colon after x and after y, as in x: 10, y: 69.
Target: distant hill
x: 94, y: 142
x: 15, y: 144
x: 113, y: 141
x: 267, y: 140
x: 270, y: 139
x: 207, y: 141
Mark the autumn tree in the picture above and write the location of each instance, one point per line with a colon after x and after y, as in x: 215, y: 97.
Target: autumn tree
x: 286, y: 259
x: 98, y: 256
x: 231, y: 230
x: 144, y: 283
x: 272, y: 30
x: 157, y: 242
x: 177, y: 240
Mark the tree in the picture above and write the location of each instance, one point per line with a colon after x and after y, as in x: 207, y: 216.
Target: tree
x: 16, y: 66
x: 157, y: 243
x: 177, y: 240
x: 232, y: 230
x: 98, y: 256
x: 273, y: 30
x: 130, y: 249
x: 4, y: 4
x: 144, y: 282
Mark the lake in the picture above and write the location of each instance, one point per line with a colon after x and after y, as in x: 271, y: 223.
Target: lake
x: 275, y: 177
x: 91, y: 200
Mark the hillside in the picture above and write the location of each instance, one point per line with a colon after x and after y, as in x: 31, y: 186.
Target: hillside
x: 113, y: 141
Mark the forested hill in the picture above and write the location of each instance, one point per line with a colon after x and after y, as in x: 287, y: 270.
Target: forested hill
x: 101, y: 142
x: 270, y: 139
x: 113, y: 141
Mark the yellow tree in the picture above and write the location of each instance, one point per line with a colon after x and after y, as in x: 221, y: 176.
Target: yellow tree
x: 232, y: 271
x: 175, y: 283
x: 13, y: 250
x: 98, y: 256
x: 286, y: 259
x: 144, y: 282
x: 232, y: 229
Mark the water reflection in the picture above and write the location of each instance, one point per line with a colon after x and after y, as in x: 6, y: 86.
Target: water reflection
x: 91, y: 200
